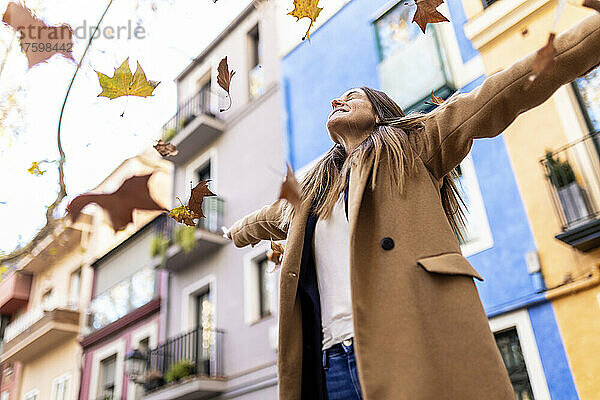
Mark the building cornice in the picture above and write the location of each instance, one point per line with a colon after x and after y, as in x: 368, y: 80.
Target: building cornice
x: 498, y: 18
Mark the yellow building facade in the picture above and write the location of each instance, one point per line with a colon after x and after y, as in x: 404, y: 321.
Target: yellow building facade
x: 561, y: 193
x: 52, y: 289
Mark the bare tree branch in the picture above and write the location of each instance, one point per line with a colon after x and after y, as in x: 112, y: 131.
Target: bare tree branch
x: 51, y: 221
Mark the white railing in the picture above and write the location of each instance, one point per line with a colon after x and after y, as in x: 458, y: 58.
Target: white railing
x: 32, y: 316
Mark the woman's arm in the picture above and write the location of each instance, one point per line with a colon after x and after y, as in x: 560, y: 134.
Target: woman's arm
x: 493, y: 106
x: 260, y: 225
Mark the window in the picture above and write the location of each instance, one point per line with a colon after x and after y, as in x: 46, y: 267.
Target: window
x: 60, y: 387
x: 256, y: 79
x: 476, y: 232
x: 74, y: 287
x: 204, y: 324
x: 403, y: 47
x: 32, y: 395
x: 512, y: 354
x: 587, y: 89
x: 46, y: 301
x: 266, y: 288
x: 4, y: 396
x: 487, y: 3
x: 107, y: 379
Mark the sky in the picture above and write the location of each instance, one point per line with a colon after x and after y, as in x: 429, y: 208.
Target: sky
x: 96, y: 139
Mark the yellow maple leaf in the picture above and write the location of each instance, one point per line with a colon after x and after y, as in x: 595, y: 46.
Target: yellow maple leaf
x: 184, y: 214
x: 123, y: 83
x: 3, y: 270
x: 35, y: 169
x: 306, y: 9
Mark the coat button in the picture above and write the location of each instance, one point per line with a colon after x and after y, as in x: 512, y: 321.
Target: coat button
x: 292, y: 274
x: 387, y: 243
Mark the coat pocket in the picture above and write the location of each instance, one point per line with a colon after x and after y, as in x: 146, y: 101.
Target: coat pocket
x: 449, y: 263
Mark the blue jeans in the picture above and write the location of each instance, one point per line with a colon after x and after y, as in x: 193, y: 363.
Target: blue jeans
x: 341, y: 375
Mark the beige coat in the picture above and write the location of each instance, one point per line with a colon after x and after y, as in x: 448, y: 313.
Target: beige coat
x: 420, y: 329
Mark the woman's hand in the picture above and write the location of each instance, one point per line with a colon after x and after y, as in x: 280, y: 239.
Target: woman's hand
x: 226, y: 232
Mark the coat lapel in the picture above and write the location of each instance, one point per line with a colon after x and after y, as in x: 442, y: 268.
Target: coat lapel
x: 359, y: 176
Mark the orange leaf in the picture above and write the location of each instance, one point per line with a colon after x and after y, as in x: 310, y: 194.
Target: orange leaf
x: 435, y: 99
x: 48, y: 40
x: 131, y: 195
x: 276, y: 254
x: 427, y: 13
x: 290, y: 189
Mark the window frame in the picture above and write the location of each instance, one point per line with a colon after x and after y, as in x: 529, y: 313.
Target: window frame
x: 582, y: 106
x: 252, y: 286
x: 520, y: 320
x: 33, y: 394
x: 66, y: 380
x: 117, y: 347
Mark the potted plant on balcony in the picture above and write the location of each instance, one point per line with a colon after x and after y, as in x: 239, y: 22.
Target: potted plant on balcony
x: 183, y: 122
x: 169, y: 134
x: 180, y: 370
x: 154, y: 380
x: 572, y: 196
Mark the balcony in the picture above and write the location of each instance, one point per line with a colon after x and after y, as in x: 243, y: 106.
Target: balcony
x: 14, y: 292
x: 194, y: 126
x: 189, y: 366
x: 207, y: 239
x: 38, y: 330
x: 573, y: 180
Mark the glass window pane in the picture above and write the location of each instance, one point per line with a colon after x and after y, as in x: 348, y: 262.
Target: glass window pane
x: 588, y: 88
x: 119, y: 295
x: 142, y: 285
x: 395, y: 30
x: 510, y: 349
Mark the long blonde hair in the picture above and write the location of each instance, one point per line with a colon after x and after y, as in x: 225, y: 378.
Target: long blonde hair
x: 328, y: 178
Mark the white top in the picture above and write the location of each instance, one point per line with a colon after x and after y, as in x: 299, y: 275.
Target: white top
x: 332, y: 262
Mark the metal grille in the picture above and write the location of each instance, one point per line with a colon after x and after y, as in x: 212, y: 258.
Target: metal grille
x: 487, y: 3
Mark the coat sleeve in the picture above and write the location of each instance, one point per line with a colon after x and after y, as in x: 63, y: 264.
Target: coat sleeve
x: 495, y: 104
x: 260, y: 225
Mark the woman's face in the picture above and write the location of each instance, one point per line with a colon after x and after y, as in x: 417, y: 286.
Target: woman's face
x: 352, y: 117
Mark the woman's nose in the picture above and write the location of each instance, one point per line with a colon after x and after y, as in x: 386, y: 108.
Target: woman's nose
x: 336, y: 102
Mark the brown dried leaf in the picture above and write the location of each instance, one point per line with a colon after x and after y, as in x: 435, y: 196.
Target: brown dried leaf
x: 427, y: 13
x: 276, y: 254
x: 595, y: 4
x: 435, y: 99
x: 224, y: 76
x: 166, y: 149
x: 131, y: 195
x: 197, y: 197
x: 290, y: 189
x: 49, y: 40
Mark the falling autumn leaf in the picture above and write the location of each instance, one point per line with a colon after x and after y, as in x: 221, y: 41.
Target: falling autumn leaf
x: 193, y: 210
x: 123, y: 83
x: 290, y: 189
x: 306, y: 9
x: 435, y: 100
x: 224, y: 76
x: 276, y: 254
x: 427, y: 13
x: 183, y: 214
x: 35, y: 169
x: 544, y: 60
x: 39, y: 41
x: 197, y: 197
x: 166, y: 149
x: 133, y: 194
x: 595, y: 4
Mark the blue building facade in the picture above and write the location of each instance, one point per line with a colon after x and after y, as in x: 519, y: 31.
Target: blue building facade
x: 373, y: 43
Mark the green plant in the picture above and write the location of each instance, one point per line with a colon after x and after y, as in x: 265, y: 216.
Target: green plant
x: 560, y: 172
x: 183, y: 122
x: 169, y: 134
x: 159, y: 245
x: 179, y: 370
x: 185, y: 237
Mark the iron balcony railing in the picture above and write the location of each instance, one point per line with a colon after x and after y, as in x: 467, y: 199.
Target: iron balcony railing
x: 573, y: 180
x: 487, y: 3
x: 198, y: 104
x: 196, y: 353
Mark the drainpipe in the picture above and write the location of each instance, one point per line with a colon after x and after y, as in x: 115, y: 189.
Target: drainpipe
x: 592, y: 280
